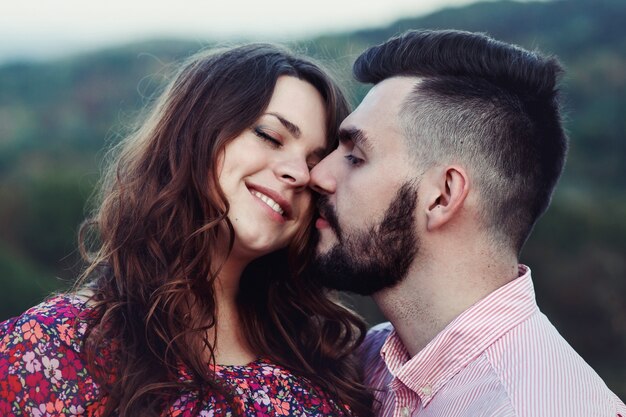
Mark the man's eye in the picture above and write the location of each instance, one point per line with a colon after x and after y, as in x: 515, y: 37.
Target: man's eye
x: 353, y: 160
x: 267, y: 138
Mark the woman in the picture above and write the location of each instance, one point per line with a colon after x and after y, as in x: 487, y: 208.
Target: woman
x: 194, y: 301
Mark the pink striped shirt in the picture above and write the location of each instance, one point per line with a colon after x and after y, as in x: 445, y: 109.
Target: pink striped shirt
x: 501, y: 357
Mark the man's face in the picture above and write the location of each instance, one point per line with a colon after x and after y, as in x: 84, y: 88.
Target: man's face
x: 367, y: 231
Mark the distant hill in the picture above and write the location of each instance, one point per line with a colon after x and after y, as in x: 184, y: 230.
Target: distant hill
x: 58, y: 117
x: 590, y: 39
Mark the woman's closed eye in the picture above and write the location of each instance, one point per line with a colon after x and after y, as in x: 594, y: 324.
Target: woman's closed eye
x: 273, y: 141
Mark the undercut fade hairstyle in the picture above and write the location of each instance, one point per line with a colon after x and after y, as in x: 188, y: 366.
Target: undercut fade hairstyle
x: 492, y: 106
x: 159, y: 215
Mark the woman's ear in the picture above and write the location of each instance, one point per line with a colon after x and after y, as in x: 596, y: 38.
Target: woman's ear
x: 449, y: 188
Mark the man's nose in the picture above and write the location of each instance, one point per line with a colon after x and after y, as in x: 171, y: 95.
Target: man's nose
x: 322, y: 176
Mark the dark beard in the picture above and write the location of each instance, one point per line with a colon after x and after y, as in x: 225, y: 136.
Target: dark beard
x: 369, y: 261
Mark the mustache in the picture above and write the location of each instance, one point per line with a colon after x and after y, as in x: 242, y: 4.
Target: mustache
x: 327, y: 211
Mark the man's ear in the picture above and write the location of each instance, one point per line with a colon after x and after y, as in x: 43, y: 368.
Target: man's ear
x: 449, y: 187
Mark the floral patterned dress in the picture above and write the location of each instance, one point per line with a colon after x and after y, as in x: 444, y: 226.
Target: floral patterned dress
x: 43, y: 373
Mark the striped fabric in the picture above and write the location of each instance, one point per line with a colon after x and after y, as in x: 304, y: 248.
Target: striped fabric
x: 501, y: 357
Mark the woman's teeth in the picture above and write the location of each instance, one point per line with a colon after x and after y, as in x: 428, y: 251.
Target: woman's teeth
x: 271, y: 203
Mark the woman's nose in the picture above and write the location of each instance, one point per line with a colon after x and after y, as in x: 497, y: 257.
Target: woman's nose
x: 294, y: 172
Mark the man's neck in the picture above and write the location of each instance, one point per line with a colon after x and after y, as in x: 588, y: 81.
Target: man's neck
x: 434, y: 293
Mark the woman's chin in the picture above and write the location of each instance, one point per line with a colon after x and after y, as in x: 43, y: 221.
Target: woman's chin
x: 257, y: 249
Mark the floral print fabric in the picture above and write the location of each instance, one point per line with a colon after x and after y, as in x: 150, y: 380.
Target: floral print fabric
x: 43, y: 373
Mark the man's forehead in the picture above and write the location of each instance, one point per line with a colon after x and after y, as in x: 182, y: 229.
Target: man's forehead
x: 393, y: 89
x: 381, y: 106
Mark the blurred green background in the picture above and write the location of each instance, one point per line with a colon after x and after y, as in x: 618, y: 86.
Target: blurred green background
x: 58, y: 117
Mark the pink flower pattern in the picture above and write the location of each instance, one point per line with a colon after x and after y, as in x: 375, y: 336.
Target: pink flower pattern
x: 43, y: 373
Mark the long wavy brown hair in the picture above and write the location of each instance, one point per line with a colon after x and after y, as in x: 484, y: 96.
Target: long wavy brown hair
x: 160, y: 212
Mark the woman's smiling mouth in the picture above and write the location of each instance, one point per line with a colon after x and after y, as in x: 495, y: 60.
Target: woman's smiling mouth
x: 272, y: 199
x: 271, y: 203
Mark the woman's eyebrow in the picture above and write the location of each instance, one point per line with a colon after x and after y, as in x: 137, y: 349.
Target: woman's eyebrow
x: 291, y: 127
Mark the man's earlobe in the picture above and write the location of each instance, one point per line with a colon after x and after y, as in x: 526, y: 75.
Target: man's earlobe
x: 452, y: 187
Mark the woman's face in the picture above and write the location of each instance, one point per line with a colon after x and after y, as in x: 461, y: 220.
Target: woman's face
x: 265, y: 170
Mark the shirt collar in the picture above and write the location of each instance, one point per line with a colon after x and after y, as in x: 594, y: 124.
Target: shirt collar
x: 463, y: 340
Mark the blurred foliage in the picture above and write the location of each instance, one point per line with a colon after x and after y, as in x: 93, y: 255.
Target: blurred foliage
x: 58, y: 117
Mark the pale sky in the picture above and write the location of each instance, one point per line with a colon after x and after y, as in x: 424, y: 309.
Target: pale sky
x: 50, y: 28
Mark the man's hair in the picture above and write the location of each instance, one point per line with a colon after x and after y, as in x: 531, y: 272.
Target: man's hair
x: 486, y: 104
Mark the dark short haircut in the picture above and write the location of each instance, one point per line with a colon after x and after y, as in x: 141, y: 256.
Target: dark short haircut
x: 490, y: 105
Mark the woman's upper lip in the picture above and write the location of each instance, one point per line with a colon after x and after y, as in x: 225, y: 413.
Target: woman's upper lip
x: 274, y: 195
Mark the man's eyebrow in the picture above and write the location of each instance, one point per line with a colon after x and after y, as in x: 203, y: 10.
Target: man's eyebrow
x: 356, y: 136
x: 292, y: 128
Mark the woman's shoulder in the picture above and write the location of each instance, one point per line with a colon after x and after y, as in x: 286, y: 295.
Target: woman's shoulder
x: 60, y: 320
x: 271, y: 388
x: 261, y: 388
x: 41, y: 361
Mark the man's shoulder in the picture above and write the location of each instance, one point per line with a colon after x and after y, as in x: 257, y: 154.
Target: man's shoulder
x: 378, y: 334
x: 369, y: 352
x: 540, y: 370
x: 374, y: 369
x: 381, y: 328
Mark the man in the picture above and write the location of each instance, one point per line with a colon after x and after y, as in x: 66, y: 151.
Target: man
x: 439, y: 177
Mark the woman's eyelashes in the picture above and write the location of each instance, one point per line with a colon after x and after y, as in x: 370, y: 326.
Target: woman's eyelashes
x: 273, y: 141
x: 263, y: 134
